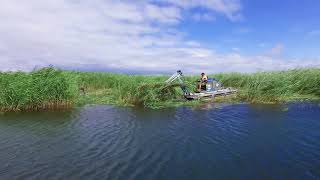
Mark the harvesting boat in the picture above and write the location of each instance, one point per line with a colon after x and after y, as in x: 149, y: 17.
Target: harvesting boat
x: 208, y: 89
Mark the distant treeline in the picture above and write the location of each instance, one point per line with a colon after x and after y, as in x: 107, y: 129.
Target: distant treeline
x: 51, y: 88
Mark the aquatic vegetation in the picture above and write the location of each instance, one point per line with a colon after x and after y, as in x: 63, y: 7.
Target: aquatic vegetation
x: 50, y: 88
x: 275, y: 86
x: 129, y: 90
x: 47, y: 88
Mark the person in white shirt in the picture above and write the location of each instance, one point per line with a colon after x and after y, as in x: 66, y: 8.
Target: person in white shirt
x: 203, y: 81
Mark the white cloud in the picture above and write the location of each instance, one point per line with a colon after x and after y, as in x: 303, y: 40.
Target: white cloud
x: 242, y: 30
x: 203, y: 17
x: 230, y: 8
x: 162, y: 14
x: 235, y: 49
x: 116, y: 34
x: 276, y: 50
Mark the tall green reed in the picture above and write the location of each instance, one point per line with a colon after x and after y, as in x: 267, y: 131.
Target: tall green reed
x: 46, y: 88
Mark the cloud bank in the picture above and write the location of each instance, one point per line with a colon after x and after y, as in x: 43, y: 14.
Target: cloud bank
x: 110, y: 34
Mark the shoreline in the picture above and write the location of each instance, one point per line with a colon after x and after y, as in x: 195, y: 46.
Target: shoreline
x: 191, y: 104
x: 51, y: 88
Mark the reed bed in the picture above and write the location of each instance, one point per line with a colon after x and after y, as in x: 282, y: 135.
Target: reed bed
x: 51, y: 88
x: 129, y: 90
x: 278, y: 86
x: 47, y: 88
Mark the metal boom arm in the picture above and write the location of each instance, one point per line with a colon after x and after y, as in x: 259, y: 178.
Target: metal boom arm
x: 178, y: 76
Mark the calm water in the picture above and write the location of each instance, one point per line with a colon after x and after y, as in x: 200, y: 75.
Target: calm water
x: 222, y: 142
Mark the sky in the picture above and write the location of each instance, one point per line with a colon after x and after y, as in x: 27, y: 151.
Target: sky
x: 160, y: 36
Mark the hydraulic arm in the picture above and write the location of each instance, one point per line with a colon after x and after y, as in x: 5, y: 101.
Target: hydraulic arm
x: 212, y: 89
x: 177, y: 76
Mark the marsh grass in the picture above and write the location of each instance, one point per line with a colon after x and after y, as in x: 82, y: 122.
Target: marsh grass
x: 127, y: 90
x: 51, y: 88
x: 47, y: 88
x: 279, y: 86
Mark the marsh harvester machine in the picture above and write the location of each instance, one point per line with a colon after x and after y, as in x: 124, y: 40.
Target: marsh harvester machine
x: 210, y: 89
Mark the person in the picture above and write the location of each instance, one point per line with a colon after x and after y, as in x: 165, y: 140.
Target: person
x: 204, y: 77
x: 202, y: 82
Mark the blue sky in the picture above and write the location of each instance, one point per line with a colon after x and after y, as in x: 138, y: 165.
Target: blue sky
x: 160, y: 36
x: 265, y: 23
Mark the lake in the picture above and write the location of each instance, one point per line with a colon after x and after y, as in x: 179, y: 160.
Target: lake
x: 213, y: 141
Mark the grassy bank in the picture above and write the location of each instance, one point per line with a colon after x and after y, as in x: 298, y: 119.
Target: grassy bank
x: 51, y: 88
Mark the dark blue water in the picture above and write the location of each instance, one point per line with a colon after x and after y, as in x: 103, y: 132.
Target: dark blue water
x: 210, y: 142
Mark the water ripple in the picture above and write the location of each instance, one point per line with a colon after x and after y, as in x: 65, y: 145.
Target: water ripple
x: 219, y: 142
